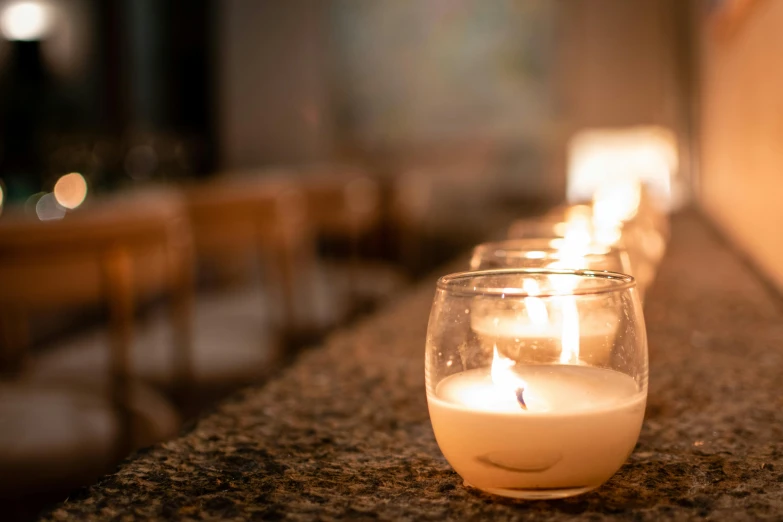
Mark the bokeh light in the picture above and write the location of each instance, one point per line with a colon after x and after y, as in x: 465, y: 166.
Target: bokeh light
x: 617, y: 202
x: 25, y: 21
x: 70, y: 190
x: 599, y: 158
x: 47, y: 208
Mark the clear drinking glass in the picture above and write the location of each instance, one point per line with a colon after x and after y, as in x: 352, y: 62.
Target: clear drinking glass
x: 549, y: 253
x: 536, y: 378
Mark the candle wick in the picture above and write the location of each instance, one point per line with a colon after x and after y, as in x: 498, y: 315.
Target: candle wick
x: 521, y: 398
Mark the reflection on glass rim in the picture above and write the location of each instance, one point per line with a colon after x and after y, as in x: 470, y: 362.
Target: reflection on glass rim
x: 540, y: 249
x: 605, y: 282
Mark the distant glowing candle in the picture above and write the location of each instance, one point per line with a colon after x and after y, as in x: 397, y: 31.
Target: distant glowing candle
x: 599, y: 158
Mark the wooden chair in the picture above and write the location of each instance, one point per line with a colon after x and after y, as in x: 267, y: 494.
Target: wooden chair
x: 341, y: 200
x: 117, y: 251
x: 345, y: 202
x: 254, y: 218
x: 438, y: 210
x: 235, y: 331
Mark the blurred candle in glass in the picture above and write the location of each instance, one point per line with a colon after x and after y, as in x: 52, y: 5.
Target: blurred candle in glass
x: 605, y: 157
x: 549, y: 253
x: 630, y: 176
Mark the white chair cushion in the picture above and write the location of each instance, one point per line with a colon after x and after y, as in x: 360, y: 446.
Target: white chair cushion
x: 373, y: 281
x: 55, y: 434
x: 232, y: 341
x: 323, y: 297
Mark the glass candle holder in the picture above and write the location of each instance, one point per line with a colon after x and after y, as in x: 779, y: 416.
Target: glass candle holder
x: 536, y: 378
x: 549, y: 253
x: 546, y: 227
x: 636, y: 239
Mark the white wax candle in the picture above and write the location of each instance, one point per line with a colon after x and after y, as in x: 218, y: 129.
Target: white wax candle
x: 580, y: 426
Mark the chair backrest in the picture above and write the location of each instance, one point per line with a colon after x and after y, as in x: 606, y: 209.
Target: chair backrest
x: 253, y: 216
x: 112, y: 250
x: 341, y: 200
x: 57, y: 263
x: 239, y: 213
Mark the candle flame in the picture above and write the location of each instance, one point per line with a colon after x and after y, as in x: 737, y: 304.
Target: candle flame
x: 575, y: 212
x: 572, y: 255
x: 578, y: 233
x: 572, y: 252
x: 615, y: 203
x: 536, y: 308
x: 569, y: 339
x: 602, y: 159
x: 505, y: 379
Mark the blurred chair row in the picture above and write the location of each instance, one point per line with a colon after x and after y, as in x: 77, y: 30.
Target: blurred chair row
x: 70, y: 411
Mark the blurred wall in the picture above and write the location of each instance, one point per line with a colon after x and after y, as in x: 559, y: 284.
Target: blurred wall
x: 272, y: 93
x: 741, y: 130
x: 619, y: 62
x: 602, y: 63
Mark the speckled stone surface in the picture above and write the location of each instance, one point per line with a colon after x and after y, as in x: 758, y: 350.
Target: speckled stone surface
x: 344, y: 432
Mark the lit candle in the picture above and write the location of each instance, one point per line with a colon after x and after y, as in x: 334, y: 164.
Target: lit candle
x: 554, y: 405
x: 630, y: 175
x: 531, y: 332
x: 598, y: 158
x: 530, y: 428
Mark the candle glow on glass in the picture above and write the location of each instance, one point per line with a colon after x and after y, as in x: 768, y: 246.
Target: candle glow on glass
x: 536, y: 308
x: 614, y: 204
x: 540, y: 408
x: 569, y: 340
x: 631, y: 177
x: 603, y: 157
x: 573, y: 251
x: 553, y: 325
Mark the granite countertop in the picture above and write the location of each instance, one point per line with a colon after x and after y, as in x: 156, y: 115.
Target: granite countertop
x: 344, y: 432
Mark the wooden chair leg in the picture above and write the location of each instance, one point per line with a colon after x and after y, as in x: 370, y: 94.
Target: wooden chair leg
x: 296, y: 260
x: 275, y: 278
x: 118, y: 283
x: 181, y: 302
x: 354, y: 297
x: 290, y: 232
x: 14, y: 340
